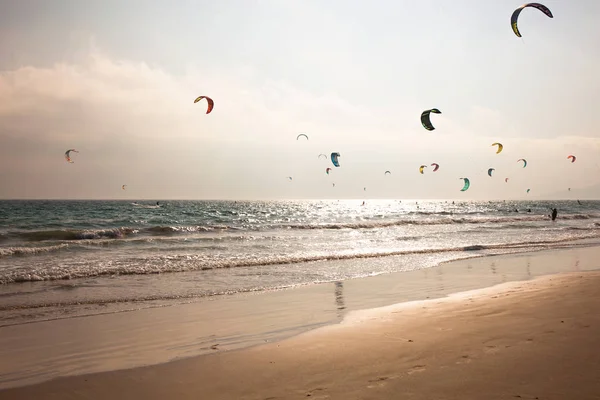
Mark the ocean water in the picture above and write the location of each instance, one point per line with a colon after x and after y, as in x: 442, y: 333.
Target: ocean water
x: 68, y: 258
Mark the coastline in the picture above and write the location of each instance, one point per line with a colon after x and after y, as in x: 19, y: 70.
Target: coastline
x: 537, y: 339
x: 156, y: 336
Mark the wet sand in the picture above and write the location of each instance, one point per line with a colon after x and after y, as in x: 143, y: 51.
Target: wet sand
x: 537, y: 339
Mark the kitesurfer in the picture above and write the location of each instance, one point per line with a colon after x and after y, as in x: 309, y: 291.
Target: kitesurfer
x: 554, y: 214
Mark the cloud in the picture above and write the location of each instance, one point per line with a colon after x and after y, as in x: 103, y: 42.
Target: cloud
x: 128, y: 117
x: 136, y: 124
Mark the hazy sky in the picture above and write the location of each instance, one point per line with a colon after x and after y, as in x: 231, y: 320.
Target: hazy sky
x: 116, y: 80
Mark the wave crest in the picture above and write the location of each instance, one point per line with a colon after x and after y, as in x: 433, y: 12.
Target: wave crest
x: 25, y: 251
x: 185, y: 263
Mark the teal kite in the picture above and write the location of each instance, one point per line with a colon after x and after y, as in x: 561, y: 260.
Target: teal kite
x: 334, y: 159
x: 467, y: 184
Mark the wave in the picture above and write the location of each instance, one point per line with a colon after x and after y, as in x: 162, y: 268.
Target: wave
x: 114, y: 233
x: 172, y: 243
x: 173, y: 230
x: 187, y: 263
x: 66, y: 234
x: 25, y: 251
x: 185, y: 229
x: 438, y: 221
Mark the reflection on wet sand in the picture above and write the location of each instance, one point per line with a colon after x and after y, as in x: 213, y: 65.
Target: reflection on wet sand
x: 461, y: 275
x: 339, y: 298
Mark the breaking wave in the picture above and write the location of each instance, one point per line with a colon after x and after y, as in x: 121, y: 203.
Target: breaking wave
x: 185, y: 263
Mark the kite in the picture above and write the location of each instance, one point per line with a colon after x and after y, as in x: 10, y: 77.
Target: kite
x: 515, y: 15
x: 467, y: 184
x: 505, y: 180
x: 302, y: 134
x: 123, y: 187
x: 425, y: 118
x: 387, y: 172
x: 422, y: 167
x: 491, y: 170
x: 327, y: 170
x: 573, y: 158
x: 68, y: 155
x: 334, y: 159
x: 500, y: 147
x: 319, y: 156
x: 524, y: 162
x: 210, y: 101
x: 528, y: 190
x: 437, y: 166
x: 289, y: 177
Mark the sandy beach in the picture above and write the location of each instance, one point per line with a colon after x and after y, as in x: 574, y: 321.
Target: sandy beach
x: 536, y: 339
x: 32, y: 353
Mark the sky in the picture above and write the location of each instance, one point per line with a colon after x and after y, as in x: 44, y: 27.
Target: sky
x: 116, y: 80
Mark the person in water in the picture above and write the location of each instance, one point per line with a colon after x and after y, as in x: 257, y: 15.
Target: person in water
x: 554, y: 214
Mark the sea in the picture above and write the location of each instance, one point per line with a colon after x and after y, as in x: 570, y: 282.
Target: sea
x: 63, y: 259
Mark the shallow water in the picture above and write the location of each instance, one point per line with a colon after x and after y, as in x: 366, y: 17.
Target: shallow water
x: 70, y: 258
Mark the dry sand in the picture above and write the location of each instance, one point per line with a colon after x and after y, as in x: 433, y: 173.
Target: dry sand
x: 538, y: 339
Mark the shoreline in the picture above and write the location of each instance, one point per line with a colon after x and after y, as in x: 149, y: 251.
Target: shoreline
x: 535, y: 339
x: 165, y: 334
